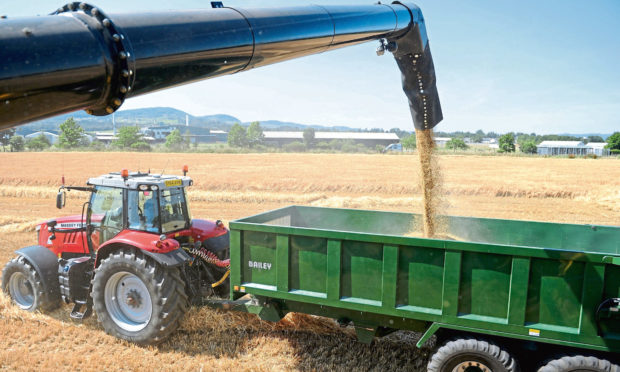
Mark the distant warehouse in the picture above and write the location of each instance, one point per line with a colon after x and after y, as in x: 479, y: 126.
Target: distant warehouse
x: 366, y: 138
x: 572, y: 148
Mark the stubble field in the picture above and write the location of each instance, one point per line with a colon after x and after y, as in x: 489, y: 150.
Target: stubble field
x: 229, y: 186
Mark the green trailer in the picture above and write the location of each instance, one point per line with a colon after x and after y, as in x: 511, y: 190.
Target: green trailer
x: 486, y: 280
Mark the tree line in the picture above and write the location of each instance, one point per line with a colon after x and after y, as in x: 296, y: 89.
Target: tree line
x: 72, y: 136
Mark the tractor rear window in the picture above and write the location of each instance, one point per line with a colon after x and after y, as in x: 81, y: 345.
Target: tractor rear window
x: 174, y: 213
x: 142, y: 211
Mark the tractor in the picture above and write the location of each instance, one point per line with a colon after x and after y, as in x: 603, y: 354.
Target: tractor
x: 134, y: 255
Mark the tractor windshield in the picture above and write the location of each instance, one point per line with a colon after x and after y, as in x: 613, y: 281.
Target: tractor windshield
x: 174, y: 211
x: 105, y: 214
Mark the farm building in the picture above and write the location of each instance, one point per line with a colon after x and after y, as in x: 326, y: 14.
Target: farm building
x: 53, y: 138
x: 366, y: 138
x: 158, y: 133
x: 598, y: 148
x: 572, y: 148
x: 441, y: 141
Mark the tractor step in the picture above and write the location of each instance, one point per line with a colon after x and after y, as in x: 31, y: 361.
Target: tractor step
x: 78, y: 315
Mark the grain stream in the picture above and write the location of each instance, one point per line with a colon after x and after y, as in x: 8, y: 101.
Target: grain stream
x: 430, y: 181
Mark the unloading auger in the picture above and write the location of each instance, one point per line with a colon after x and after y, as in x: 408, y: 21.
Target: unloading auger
x: 80, y: 58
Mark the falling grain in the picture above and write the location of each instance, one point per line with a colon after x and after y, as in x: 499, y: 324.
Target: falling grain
x: 430, y: 181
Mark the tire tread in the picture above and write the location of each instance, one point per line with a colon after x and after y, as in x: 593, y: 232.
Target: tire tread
x: 169, y: 297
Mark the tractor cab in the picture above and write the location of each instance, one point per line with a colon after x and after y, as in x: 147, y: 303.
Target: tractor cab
x: 139, y: 202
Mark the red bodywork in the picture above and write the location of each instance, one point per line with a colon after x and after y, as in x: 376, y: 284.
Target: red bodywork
x: 76, y: 242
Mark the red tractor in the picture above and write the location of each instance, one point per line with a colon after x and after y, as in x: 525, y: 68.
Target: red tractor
x: 135, y: 255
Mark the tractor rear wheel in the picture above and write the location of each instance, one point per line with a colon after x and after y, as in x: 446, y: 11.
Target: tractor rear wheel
x: 136, y: 299
x: 22, y: 283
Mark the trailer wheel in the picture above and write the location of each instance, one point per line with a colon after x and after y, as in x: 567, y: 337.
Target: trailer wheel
x: 471, y: 355
x: 579, y: 363
x: 136, y: 299
x: 22, y: 283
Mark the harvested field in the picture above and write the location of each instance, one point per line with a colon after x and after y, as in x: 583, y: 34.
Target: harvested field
x: 236, y: 185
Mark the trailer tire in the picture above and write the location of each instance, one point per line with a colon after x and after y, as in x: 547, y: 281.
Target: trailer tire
x: 472, y: 354
x: 136, y: 299
x: 22, y: 283
x: 579, y: 363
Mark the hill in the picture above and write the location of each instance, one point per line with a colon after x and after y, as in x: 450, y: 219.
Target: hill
x: 159, y: 116
x: 154, y: 116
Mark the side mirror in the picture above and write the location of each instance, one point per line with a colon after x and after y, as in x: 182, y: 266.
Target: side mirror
x: 60, y: 199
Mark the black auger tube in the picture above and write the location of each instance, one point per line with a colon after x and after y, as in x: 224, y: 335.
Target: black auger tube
x: 81, y: 58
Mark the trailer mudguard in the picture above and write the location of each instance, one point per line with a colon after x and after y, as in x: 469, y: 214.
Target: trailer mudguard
x: 45, y: 263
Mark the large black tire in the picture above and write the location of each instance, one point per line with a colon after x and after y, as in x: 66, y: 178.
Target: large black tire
x: 136, y: 299
x: 465, y: 355
x: 579, y: 363
x: 22, y: 283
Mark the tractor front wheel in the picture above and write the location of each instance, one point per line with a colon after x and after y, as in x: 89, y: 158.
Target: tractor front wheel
x: 136, y: 299
x: 22, y: 283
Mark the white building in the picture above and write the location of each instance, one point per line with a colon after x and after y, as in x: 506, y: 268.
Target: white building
x: 368, y: 138
x: 572, y: 148
x: 158, y: 133
x: 53, y: 138
x: 598, y: 148
x: 441, y: 141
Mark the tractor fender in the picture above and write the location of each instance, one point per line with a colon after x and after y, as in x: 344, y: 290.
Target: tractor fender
x: 168, y: 259
x: 45, y: 262
x: 219, y: 245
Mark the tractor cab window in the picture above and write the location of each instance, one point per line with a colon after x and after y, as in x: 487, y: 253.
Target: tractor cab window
x: 106, y: 214
x: 174, y: 212
x: 142, y: 211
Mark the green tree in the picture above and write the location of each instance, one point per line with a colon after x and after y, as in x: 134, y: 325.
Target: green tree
x: 255, y: 134
x: 17, y: 143
x: 399, y: 132
x: 174, y: 140
x: 478, y: 136
x: 456, y: 144
x: 71, y: 134
x: 613, y: 142
x: 294, y: 147
x: 140, y: 146
x: 595, y: 139
x: 187, y: 138
x: 528, y: 147
x: 130, y: 138
x: 97, y: 145
x: 237, y: 136
x: 309, y: 137
x: 5, y: 137
x: 409, y: 142
x: 38, y: 143
x: 507, y: 143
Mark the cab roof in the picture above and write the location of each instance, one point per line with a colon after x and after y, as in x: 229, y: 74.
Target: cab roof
x: 135, y: 179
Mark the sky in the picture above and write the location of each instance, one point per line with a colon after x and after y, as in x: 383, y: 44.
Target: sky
x: 529, y: 66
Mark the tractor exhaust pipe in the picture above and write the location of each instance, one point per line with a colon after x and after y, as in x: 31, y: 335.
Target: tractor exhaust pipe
x: 80, y: 58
